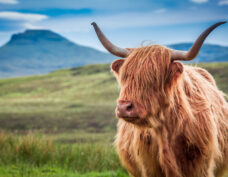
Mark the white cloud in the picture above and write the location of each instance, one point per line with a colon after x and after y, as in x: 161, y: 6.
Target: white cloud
x: 199, y: 1
x: 9, y: 2
x: 84, y: 4
x: 31, y: 26
x: 22, y: 16
x: 159, y: 11
x: 223, y: 2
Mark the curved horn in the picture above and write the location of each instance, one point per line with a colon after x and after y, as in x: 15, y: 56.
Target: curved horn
x: 192, y: 53
x: 120, y: 52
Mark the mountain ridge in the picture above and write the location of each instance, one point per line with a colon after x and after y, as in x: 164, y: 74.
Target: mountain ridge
x: 41, y: 51
x: 208, y: 52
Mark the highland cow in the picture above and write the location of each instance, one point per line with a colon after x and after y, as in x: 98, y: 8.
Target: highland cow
x: 173, y: 120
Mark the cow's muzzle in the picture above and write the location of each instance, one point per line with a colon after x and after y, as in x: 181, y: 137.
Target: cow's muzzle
x: 126, y: 110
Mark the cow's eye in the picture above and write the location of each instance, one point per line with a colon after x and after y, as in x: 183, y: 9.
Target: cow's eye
x: 117, y: 64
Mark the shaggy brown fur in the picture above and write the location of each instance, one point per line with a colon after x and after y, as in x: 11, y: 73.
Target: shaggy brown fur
x: 182, y: 130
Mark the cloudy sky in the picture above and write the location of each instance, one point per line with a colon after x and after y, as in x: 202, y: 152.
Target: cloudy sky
x: 128, y: 23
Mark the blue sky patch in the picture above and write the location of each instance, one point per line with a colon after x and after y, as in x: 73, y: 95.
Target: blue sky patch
x: 126, y: 22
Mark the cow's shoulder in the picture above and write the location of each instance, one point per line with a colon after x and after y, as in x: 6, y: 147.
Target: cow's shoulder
x: 202, y: 72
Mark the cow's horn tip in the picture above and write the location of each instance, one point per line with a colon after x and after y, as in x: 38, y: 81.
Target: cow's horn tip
x: 222, y: 22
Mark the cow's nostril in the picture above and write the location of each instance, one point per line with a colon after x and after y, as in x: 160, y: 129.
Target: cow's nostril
x: 127, y: 109
x: 130, y: 107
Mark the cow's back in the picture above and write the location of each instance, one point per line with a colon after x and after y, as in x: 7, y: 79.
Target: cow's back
x: 218, y: 107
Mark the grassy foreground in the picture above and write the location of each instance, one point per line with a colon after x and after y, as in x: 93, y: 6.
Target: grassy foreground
x: 47, y: 171
x: 38, y: 155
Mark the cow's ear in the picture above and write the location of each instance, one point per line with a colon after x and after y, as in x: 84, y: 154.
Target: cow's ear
x: 115, y: 66
x: 176, y: 69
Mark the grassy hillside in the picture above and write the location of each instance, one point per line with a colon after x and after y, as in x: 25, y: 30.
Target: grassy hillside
x: 82, y: 98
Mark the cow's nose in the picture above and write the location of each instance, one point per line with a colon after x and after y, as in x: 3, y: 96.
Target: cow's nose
x: 126, y: 109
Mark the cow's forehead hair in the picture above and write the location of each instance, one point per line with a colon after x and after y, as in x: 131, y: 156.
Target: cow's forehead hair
x: 146, y: 63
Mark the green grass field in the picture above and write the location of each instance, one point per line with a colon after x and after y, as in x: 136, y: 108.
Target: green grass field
x: 62, y: 124
x: 44, y: 155
x: 81, y: 98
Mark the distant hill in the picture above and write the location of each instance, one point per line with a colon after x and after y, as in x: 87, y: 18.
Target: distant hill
x: 41, y: 51
x: 208, y: 52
